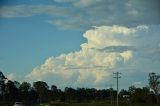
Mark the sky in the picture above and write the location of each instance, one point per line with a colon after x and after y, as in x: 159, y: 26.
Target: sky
x: 80, y: 43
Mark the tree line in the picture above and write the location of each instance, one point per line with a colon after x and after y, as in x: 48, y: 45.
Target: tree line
x: 41, y: 92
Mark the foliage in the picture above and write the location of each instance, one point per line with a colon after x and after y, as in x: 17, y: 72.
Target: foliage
x: 41, y: 93
x: 154, y: 83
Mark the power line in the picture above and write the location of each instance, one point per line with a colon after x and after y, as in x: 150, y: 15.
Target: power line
x: 117, y: 77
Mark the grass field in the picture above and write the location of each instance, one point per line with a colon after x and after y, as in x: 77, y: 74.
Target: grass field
x: 94, y: 104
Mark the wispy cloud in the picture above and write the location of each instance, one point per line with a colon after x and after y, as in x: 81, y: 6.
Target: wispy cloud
x: 31, y: 10
x: 82, y: 14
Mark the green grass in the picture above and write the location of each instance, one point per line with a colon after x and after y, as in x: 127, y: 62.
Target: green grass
x: 94, y: 103
x: 81, y: 104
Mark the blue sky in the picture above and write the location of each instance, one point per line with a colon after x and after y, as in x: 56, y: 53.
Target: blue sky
x: 61, y: 41
x: 27, y: 42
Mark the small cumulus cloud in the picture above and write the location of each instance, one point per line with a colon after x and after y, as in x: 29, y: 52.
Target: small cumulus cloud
x: 15, y: 77
x: 93, y: 65
x: 11, y: 76
x: 137, y: 83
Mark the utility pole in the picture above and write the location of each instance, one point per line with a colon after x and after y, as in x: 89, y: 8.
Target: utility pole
x: 117, y: 77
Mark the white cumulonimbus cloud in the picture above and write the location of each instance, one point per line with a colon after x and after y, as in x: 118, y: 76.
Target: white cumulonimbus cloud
x: 108, y: 49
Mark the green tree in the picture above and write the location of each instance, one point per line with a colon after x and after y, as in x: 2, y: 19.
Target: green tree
x: 131, y: 90
x: 70, y: 94
x: 17, y: 84
x: 42, y: 89
x: 11, y: 91
x: 24, y: 89
x: 2, y: 83
x: 54, y: 95
x: 123, y: 92
x: 154, y: 83
x: 139, y: 95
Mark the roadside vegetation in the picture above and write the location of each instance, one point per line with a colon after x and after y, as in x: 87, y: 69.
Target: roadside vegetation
x: 40, y: 94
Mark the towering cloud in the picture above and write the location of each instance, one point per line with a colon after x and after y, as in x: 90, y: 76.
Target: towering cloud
x: 132, y: 51
x: 126, y: 38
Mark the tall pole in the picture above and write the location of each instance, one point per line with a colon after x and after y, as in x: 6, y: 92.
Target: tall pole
x: 117, y: 77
